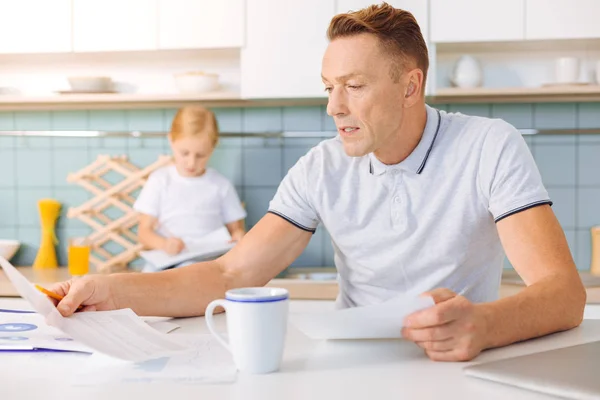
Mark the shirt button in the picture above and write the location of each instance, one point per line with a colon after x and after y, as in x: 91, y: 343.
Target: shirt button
x: 397, y: 200
x: 394, y: 172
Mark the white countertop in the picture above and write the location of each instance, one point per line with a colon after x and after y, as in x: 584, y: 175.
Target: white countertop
x: 372, y: 369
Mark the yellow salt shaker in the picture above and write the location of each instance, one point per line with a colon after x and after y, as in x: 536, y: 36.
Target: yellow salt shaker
x: 78, y: 257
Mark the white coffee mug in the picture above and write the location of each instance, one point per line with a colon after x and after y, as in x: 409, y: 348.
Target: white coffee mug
x: 256, y: 327
x: 567, y: 70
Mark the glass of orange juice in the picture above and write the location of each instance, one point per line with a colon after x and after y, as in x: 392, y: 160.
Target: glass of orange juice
x: 79, y: 257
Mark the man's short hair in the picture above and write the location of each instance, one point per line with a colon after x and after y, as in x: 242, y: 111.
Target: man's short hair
x: 397, y: 30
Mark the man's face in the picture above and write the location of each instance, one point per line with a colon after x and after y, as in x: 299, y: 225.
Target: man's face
x: 365, y: 102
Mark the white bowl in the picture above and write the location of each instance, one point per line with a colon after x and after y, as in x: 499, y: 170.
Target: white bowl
x: 8, y: 248
x: 90, y: 84
x: 196, y: 82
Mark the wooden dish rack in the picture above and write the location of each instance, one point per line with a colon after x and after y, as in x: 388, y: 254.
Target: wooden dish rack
x: 107, y: 229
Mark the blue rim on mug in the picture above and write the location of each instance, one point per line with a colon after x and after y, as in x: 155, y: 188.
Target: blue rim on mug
x: 257, y: 295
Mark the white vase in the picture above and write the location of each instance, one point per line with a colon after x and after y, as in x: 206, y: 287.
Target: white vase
x: 467, y: 73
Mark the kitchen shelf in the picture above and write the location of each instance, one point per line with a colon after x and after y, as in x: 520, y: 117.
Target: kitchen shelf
x: 546, y: 94
x: 543, y: 94
x: 137, y: 101
x: 511, y: 46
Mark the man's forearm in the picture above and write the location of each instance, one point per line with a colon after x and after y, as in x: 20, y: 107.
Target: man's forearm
x: 179, y: 292
x: 186, y: 291
x: 553, y: 304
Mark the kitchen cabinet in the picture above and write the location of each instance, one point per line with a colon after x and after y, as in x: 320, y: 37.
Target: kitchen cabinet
x: 200, y: 24
x: 285, y: 43
x: 115, y: 25
x: 562, y: 19
x: 478, y: 20
x: 35, y: 26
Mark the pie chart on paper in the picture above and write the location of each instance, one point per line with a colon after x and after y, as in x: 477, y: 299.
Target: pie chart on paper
x: 17, y: 327
x: 14, y: 338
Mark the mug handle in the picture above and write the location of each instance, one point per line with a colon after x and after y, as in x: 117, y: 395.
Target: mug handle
x: 210, y: 322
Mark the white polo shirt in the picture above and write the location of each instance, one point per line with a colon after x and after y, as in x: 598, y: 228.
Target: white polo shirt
x: 425, y: 223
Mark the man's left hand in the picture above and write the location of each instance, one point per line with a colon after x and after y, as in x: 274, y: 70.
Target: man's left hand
x: 454, y: 329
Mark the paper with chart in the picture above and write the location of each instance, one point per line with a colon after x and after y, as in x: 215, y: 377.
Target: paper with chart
x: 209, y: 246
x: 208, y: 363
x: 119, y: 333
x: 29, y: 332
x: 380, y: 321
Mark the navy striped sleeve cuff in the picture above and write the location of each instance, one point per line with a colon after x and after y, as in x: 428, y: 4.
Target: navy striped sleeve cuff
x: 291, y: 221
x: 523, y: 208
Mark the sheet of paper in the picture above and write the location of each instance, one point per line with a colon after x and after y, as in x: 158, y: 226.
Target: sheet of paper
x: 39, y: 302
x: 163, y: 326
x: 119, y: 333
x: 20, y: 331
x: 380, y: 321
x: 217, y: 236
x: 208, y: 363
x: 29, y: 331
x: 212, y: 245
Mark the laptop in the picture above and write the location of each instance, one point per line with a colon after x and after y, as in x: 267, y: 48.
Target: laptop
x: 570, y: 372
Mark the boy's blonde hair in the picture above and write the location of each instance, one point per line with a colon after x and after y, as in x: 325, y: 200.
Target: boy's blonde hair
x: 195, y: 121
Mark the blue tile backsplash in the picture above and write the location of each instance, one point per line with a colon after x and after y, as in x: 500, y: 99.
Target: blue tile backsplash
x: 556, y: 173
x: 37, y: 167
x: 555, y: 116
x: 521, y: 115
x: 589, y: 165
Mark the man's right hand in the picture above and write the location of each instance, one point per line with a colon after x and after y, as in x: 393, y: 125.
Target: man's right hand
x: 173, y: 246
x: 91, y: 292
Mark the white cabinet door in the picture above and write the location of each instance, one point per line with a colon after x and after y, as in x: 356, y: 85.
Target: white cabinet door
x: 189, y: 24
x: 35, y: 26
x: 477, y: 20
x: 115, y: 25
x: 285, y: 43
x: 562, y: 19
x: 418, y: 8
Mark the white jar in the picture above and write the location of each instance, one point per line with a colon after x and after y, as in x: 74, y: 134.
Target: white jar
x: 566, y: 70
x: 467, y: 73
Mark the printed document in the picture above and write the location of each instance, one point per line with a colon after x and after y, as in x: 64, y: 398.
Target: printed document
x: 121, y: 333
x: 380, y: 321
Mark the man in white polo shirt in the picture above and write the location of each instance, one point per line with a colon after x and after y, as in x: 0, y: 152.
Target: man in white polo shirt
x: 416, y: 201
x: 426, y: 222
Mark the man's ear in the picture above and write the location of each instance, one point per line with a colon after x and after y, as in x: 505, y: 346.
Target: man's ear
x: 413, y: 86
x: 410, y: 90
